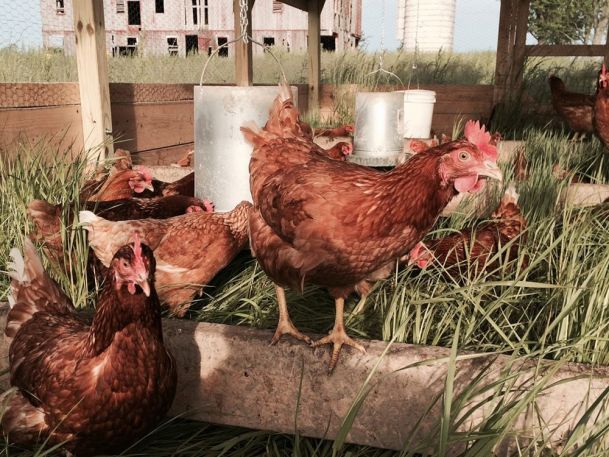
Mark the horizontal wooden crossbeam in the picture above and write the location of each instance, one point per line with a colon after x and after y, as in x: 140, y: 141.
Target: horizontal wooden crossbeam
x: 565, y: 50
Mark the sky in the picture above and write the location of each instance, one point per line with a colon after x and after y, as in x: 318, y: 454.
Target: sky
x: 476, y: 24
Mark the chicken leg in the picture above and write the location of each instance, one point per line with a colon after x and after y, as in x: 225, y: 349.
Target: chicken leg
x: 338, y: 336
x: 285, y: 325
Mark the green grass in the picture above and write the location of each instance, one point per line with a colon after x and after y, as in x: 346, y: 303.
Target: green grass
x: 556, y: 308
x: 349, y: 67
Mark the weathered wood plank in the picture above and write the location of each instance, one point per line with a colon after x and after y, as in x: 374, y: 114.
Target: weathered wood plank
x: 505, y: 42
x: 230, y: 375
x: 61, y: 125
x: 565, y: 50
x: 314, y: 51
x: 153, y: 125
x: 90, y: 35
x: 161, y: 156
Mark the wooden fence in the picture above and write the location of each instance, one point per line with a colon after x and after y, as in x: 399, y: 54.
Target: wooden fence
x: 156, y: 120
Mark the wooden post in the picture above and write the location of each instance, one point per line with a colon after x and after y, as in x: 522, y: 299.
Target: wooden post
x: 607, y: 48
x: 243, y: 52
x: 90, y: 34
x: 314, y: 51
x: 519, y: 56
x: 504, y: 50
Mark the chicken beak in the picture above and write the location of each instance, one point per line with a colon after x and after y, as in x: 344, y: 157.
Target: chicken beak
x: 490, y: 170
x: 149, y: 187
x: 145, y: 285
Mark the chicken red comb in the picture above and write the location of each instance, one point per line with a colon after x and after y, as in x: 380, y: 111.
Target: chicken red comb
x: 145, y: 172
x: 137, y: 246
x: 209, y: 206
x: 476, y: 134
x: 604, y: 76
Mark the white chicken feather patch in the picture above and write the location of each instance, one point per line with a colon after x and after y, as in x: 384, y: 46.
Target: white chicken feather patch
x: 87, y: 218
x: 16, y: 270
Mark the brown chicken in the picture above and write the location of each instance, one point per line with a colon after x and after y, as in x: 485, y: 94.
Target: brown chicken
x: 475, y: 249
x: 189, y: 250
x: 47, y: 217
x: 305, y: 227
x: 96, y: 387
x: 344, y: 130
x: 119, y: 184
x: 187, y: 160
x: 601, y: 107
x: 183, y: 186
x: 574, y: 108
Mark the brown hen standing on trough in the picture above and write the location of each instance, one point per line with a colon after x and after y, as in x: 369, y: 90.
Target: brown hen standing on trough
x: 601, y: 107
x: 189, y: 250
x: 471, y: 249
x: 341, y: 225
x: 576, y: 109
x: 96, y: 387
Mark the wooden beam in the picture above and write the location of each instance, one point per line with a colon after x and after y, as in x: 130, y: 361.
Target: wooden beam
x: 565, y: 50
x: 607, y: 48
x: 230, y: 375
x: 300, y: 4
x: 314, y: 51
x: 504, y: 50
x: 90, y: 35
x: 243, y: 51
x: 519, y: 56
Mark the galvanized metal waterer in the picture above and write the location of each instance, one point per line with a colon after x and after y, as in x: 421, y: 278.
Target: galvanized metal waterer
x: 222, y: 155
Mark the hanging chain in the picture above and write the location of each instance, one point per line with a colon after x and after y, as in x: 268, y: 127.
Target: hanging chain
x: 243, y: 4
x: 382, y: 54
x: 415, y: 57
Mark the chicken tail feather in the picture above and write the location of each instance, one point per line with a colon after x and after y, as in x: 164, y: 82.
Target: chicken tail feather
x: 32, y: 289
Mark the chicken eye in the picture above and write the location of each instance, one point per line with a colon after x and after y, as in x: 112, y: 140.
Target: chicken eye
x: 463, y: 156
x: 125, y: 264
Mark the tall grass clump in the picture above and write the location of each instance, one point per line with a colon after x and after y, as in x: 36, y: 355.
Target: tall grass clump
x: 41, y: 171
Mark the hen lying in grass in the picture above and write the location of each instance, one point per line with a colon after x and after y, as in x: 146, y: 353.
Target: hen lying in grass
x: 97, y: 387
x: 189, y: 250
x: 477, y: 249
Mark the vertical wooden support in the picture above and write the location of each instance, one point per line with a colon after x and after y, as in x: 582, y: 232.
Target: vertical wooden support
x: 607, y: 48
x: 244, y: 73
x: 90, y: 34
x: 504, y: 50
x: 314, y: 51
x: 522, y: 28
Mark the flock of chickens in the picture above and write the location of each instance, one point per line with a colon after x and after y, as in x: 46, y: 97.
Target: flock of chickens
x: 315, y: 219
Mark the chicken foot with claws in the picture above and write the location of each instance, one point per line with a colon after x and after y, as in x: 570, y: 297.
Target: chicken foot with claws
x: 285, y: 325
x: 338, y: 336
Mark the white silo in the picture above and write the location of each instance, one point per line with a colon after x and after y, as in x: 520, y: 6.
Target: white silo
x: 426, y: 24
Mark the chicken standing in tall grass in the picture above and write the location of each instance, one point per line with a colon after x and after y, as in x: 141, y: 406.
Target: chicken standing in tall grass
x: 574, y: 108
x: 94, y: 388
x: 601, y: 107
x: 342, y: 226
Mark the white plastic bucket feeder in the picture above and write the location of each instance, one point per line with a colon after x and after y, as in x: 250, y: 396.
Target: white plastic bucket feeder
x: 418, y: 113
x: 378, y: 139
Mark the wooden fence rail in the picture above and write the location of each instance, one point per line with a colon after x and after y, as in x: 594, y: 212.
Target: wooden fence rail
x: 157, y: 119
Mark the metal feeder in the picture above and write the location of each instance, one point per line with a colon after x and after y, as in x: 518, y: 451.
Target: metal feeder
x: 222, y: 155
x: 379, y: 124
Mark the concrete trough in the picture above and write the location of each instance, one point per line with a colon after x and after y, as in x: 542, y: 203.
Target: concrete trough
x: 230, y: 375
